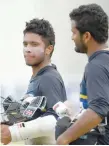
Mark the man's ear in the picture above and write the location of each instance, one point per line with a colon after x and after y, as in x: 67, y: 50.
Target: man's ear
x: 86, y: 37
x: 49, y: 50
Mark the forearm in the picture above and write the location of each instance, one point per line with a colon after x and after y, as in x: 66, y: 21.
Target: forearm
x: 43, y: 126
x: 84, y: 124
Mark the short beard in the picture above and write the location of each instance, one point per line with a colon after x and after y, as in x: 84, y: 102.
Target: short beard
x: 81, y: 48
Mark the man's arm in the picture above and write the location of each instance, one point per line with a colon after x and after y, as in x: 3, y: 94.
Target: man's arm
x: 84, y: 124
x: 42, y: 126
x: 98, y: 99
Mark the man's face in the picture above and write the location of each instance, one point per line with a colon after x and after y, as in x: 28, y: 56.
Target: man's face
x: 34, y: 49
x: 80, y: 46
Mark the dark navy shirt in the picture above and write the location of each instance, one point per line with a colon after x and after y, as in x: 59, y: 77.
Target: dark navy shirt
x: 48, y: 82
x: 95, y: 88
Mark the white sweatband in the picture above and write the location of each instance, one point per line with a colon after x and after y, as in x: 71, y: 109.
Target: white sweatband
x: 42, y: 126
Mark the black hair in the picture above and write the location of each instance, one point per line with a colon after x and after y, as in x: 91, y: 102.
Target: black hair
x: 93, y: 19
x: 43, y: 28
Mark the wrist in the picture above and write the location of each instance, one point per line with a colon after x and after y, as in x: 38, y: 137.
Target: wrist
x: 15, y: 136
x: 62, y: 140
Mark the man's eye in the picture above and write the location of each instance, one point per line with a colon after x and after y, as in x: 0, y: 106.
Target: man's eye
x: 25, y: 44
x: 73, y: 32
x: 34, y: 44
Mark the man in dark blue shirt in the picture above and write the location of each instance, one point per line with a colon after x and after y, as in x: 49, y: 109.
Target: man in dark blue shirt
x: 90, y: 34
x: 39, y: 41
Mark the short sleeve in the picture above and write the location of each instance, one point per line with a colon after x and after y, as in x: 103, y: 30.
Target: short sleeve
x: 97, y: 83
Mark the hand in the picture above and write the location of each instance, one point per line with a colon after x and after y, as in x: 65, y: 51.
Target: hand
x: 5, y: 134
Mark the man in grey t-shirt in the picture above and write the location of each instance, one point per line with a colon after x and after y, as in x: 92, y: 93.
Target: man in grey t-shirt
x: 90, y: 34
x: 39, y: 41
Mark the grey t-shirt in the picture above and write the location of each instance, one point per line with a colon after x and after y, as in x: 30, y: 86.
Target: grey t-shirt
x: 95, y: 88
x: 48, y: 82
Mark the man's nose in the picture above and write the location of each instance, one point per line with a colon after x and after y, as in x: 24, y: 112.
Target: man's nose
x: 27, y: 49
